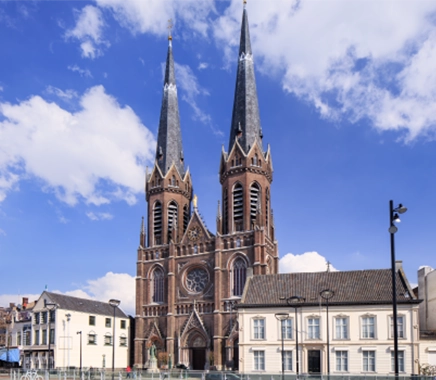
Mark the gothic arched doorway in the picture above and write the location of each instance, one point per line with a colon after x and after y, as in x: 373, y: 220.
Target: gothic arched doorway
x: 197, y: 347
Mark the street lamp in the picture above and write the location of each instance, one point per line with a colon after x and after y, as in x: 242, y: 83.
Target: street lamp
x: 394, y: 218
x: 79, y: 332
x: 295, y: 302
x: 114, y: 303
x: 68, y: 338
x: 51, y: 307
x: 230, y: 306
x: 282, y: 317
x: 8, y: 323
x: 327, y: 294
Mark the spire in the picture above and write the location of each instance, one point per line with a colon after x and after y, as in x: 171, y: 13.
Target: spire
x: 245, y: 119
x: 169, y: 148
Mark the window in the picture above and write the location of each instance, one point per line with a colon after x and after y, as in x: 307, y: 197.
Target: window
x: 259, y: 329
x: 107, y: 322
x: 238, y: 207
x: 52, y: 315
x: 341, y: 361
x: 185, y: 217
x: 287, y: 358
x: 37, y: 337
x: 288, y: 328
x: 44, y: 317
x: 254, y: 201
x: 27, y: 338
x: 123, y: 340
x: 400, y: 361
x: 92, y: 338
x: 92, y: 320
x: 52, y: 336
x: 195, y: 249
x: 44, y: 337
x: 341, y: 327
x: 157, y: 223
x: 239, y: 276
x: 313, y: 328
x: 259, y: 360
x: 108, y: 340
x: 157, y: 285
x: 225, y: 211
x: 19, y: 339
x: 37, y: 319
x: 172, y: 221
x: 123, y: 324
x: 368, y: 327
x: 400, y: 326
x: 369, y: 361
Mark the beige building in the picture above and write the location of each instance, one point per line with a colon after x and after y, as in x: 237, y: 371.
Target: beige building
x: 359, y: 324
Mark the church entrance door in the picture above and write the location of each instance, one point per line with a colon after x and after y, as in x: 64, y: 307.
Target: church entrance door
x: 198, y: 358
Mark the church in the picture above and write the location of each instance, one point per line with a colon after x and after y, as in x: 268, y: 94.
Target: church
x: 189, y: 279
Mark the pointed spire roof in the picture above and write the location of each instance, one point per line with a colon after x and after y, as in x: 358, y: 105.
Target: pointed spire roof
x: 245, y: 119
x: 169, y: 140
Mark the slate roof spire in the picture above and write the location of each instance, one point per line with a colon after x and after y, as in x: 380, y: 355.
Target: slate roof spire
x: 245, y: 119
x: 169, y: 139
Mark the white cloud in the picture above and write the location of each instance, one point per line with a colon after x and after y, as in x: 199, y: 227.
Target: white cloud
x: 351, y: 59
x: 82, y: 72
x: 64, y: 95
x: 96, y: 155
x: 99, y: 216
x: 306, y: 262
x: 151, y: 16
x: 89, y: 31
x: 202, y: 66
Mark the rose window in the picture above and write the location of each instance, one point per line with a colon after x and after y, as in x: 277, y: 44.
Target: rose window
x: 196, y: 280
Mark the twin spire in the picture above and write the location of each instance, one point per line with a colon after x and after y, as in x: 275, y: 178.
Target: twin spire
x: 245, y: 126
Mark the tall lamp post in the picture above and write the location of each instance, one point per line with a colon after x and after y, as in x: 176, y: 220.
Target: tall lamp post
x: 282, y: 317
x: 114, y: 303
x: 295, y: 302
x: 327, y: 294
x: 394, y: 218
x: 68, y: 338
x: 8, y: 334
x: 79, y: 332
x: 51, y: 307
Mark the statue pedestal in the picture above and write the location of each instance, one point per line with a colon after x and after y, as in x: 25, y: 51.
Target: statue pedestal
x: 152, y: 365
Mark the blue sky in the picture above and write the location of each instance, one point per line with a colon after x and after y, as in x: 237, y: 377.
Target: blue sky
x: 347, y: 94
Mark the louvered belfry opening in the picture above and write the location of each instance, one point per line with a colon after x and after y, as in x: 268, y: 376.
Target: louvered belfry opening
x: 172, y: 221
x: 185, y: 217
x: 225, y: 212
x: 254, y: 201
x: 157, y: 223
x: 158, y: 285
x: 239, y: 276
x: 238, y: 207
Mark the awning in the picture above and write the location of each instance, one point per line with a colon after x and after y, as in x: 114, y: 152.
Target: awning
x: 12, y: 355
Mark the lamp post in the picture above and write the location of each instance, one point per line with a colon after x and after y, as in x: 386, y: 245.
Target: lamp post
x: 295, y: 302
x: 79, y: 332
x: 51, y: 307
x: 8, y: 323
x: 114, y: 303
x: 327, y: 294
x: 282, y: 317
x: 230, y: 347
x: 394, y: 218
x: 68, y: 338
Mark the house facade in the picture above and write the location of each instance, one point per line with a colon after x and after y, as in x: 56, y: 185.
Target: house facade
x: 354, y: 336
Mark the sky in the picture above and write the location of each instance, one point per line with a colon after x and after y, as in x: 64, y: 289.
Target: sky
x: 347, y: 97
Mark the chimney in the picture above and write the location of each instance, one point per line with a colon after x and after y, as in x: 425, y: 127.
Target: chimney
x: 25, y: 302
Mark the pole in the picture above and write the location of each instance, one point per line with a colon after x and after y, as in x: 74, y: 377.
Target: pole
x: 328, y: 341
x: 296, y: 342
x: 394, y: 286
x: 113, y: 345
x: 80, y: 353
x: 283, y: 351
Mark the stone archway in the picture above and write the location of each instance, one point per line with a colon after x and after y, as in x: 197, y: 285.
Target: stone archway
x: 195, y: 350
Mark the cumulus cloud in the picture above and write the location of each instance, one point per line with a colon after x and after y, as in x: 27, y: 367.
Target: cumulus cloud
x: 306, y: 262
x: 89, y: 31
x: 112, y: 285
x: 99, y: 216
x: 356, y: 60
x: 202, y: 66
x: 96, y: 154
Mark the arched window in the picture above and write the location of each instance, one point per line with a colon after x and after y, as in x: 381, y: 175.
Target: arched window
x: 238, y: 207
x: 157, y: 285
x: 195, y: 249
x: 254, y: 201
x: 225, y: 211
x: 185, y: 217
x: 255, y: 160
x: 173, y: 180
x: 267, y: 211
x: 157, y: 223
x: 239, y: 276
x: 172, y: 221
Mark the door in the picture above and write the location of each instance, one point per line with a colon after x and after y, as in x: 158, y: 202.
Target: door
x: 314, y: 361
x: 198, y: 358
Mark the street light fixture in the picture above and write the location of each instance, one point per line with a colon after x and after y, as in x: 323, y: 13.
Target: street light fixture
x: 282, y: 317
x: 327, y: 294
x: 295, y: 302
x: 114, y: 303
x: 51, y: 307
x: 394, y: 218
x: 79, y: 332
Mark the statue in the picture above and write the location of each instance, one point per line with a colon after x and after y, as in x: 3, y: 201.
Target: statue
x: 195, y: 201
x: 152, y: 361
x: 153, y: 351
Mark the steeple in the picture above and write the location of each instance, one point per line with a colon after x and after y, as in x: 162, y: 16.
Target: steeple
x: 245, y: 119
x: 169, y: 148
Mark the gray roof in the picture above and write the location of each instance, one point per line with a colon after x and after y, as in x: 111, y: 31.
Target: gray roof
x: 350, y: 287
x: 245, y: 118
x: 84, y: 305
x: 169, y: 140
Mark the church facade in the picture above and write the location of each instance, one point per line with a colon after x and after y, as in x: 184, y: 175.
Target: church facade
x: 188, y: 278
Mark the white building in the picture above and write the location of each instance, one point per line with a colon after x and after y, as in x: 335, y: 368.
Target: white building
x: 63, y: 326
x: 359, y: 323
